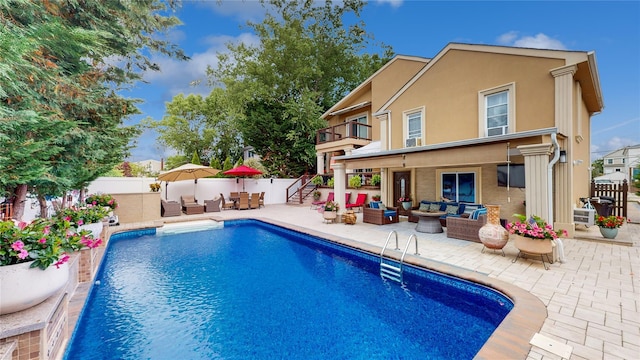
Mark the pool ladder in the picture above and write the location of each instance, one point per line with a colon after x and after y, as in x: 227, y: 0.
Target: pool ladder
x: 388, y: 268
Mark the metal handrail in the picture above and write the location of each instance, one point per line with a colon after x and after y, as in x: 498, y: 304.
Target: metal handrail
x: 387, y: 243
x: 407, y: 248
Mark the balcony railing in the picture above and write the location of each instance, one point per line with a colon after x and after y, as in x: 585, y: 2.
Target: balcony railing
x: 348, y: 130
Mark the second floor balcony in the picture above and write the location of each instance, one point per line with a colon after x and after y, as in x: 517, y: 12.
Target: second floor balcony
x: 348, y: 130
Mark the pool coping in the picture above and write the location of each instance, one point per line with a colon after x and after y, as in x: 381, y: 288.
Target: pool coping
x: 509, y: 340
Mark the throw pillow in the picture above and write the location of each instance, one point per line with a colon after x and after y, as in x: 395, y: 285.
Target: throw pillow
x: 476, y: 214
x: 452, y: 210
x: 434, y: 207
x: 382, y: 206
x: 468, y: 209
x: 423, y: 207
x: 374, y: 204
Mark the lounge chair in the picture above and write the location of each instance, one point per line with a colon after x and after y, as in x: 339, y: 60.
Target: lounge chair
x: 227, y: 205
x: 169, y: 208
x: 190, y: 205
x: 254, y: 202
x: 320, y: 203
x: 243, y: 203
x: 261, y: 200
x: 212, y: 205
x: 360, y: 200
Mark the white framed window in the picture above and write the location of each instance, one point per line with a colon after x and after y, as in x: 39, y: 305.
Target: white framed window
x: 609, y: 161
x: 413, y: 125
x: 497, y: 110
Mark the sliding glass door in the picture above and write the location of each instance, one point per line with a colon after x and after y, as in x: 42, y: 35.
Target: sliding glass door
x: 459, y: 187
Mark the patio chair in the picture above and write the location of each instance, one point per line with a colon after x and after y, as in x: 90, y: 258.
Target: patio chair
x: 347, y: 198
x: 212, y: 205
x: 360, y: 200
x: 243, y: 203
x: 319, y: 203
x: 169, y: 208
x: 227, y: 205
x: 261, y: 200
x: 190, y: 205
x: 377, y: 213
x: 254, y: 202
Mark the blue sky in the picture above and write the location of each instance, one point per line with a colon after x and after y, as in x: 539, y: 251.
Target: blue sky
x: 423, y: 28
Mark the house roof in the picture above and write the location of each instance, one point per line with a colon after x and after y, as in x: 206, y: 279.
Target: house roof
x: 586, y: 73
x: 335, y: 109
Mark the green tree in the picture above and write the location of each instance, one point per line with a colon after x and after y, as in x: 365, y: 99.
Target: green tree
x: 58, y: 88
x: 597, y: 168
x: 306, y: 61
x: 257, y: 164
x: 195, y: 159
x: 193, y: 123
x: 175, y: 161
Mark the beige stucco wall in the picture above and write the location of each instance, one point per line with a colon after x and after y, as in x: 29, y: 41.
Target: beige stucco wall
x: 449, y: 92
x: 137, y: 207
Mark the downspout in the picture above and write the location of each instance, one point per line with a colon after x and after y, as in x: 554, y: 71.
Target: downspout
x: 554, y: 160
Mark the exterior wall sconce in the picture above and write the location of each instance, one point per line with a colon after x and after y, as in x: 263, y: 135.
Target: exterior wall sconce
x: 563, y: 156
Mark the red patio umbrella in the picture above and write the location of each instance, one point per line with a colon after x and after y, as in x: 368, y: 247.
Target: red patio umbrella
x: 243, y: 171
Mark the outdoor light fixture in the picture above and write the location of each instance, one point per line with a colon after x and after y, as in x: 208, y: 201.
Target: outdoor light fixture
x: 563, y: 156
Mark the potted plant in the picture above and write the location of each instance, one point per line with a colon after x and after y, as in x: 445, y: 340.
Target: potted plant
x: 330, y: 182
x: 105, y: 200
x: 355, y: 182
x: 609, y: 225
x: 376, y: 197
x: 533, y: 236
x: 33, y: 259
x: 406, y: 202
x: 317, y: 181
x: 155, y: 187
x: 375, y: 180
x: 330, y: 210
x: 316, y: 195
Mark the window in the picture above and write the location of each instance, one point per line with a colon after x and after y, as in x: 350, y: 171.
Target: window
x: 497, y: 110
x: 356, y: 130
x: 459, y: 186
x: 609, y: 161
x: 414, y: 125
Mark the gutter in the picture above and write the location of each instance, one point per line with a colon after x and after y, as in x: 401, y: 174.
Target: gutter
x: 554, y: 160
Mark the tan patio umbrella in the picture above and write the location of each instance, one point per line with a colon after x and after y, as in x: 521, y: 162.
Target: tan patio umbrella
x: 187, y: 172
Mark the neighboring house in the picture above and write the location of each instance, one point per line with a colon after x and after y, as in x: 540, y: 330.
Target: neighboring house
x: 448, y: 127
x: 249, y: 152
x: 623, y: 160
x: 152, y: 166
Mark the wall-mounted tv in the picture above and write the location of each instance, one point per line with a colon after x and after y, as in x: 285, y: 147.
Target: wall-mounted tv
x: 516, y: 175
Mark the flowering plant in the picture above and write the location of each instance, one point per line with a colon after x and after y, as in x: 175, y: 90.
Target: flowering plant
x: 404, y: 199
x: 609, y: 222
x: 534, y: 227
x: 45, y: 242
x: 104, y: 200
x: 82, y: 215
x: 331, y: 206
x: 155, y: 187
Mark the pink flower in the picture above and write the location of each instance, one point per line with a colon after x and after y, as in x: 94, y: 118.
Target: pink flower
x: 80, y: 222
x: 17, y: 246
x: 22, y: 225
x: 46, y: 230
x: 43, y: 241
x: 63, y: 259
x: 67, y: 218
x: 94, y: 202
x: 23, y: 254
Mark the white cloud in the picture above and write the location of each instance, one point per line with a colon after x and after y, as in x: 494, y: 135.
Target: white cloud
x: 394, y: 3
x: 178, y: 76
x: 539, y: 41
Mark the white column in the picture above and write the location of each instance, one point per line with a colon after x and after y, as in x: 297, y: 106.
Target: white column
x: 536, y: 160
x: 339, y: 185
x: 320, y: 163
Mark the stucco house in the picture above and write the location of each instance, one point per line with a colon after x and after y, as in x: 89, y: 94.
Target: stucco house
x: 475, y: 123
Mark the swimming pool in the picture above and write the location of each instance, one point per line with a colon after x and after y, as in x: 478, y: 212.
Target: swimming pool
x: 254, y: 290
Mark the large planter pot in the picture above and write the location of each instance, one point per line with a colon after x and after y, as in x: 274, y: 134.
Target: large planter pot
x: 492, y: 234
x: 406, y: 205
x: 329, y: 216
x: 609, y: 233
x: 95, y: 228
x: 533, y: 246
x: 22, y: 287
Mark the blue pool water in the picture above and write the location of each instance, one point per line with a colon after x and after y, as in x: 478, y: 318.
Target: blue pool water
x: 256, y: 291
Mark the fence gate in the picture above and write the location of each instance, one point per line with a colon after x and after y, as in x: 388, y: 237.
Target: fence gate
x: 619, y: 193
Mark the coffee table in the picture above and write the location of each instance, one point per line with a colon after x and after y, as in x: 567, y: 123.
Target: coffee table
x: 428, y: 222
x: 191, y: 209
